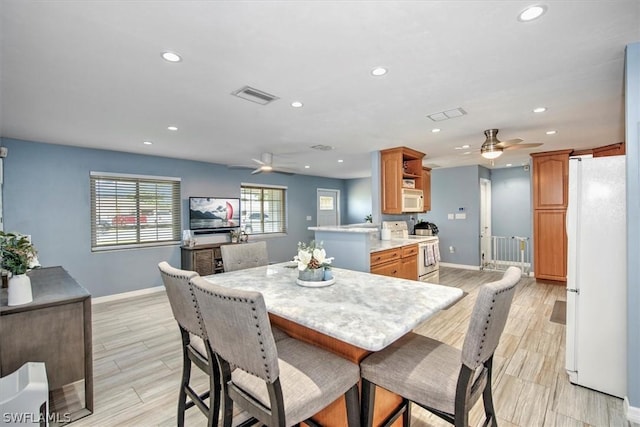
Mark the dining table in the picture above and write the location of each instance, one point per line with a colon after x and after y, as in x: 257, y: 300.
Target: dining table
x: 353, y: 314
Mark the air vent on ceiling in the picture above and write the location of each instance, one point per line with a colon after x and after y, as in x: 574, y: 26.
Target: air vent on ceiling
x: 322, y: 147
x: 446, y: 115
x: 254, y: 95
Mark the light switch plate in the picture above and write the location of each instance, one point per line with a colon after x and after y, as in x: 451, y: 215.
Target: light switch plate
x: 450, y: 216
x: 308, y: 217
x: 461, y: 216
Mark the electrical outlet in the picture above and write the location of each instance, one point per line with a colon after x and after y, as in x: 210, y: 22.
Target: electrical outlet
x: 308, y: 217
x: 452, y: 249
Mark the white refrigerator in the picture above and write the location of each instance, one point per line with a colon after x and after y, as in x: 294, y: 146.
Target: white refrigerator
x: 596, y: 344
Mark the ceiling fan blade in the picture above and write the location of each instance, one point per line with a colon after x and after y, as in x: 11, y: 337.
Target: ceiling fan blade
x: 521, y: 146
x: 509, y: 142
x: 260, y: 162
x: 283, y: 171
x: 256, y: 171
x: 240, y: 167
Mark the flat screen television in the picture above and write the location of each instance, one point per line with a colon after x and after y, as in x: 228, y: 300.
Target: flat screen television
x: 214, y: 213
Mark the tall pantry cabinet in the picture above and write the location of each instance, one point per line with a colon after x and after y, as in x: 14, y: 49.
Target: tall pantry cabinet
x: 550, y: 199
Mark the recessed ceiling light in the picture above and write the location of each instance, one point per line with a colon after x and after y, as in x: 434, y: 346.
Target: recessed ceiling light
x: 147, y: 142
x: 171, y: 57
x: 467, y: 152
x: 509, y: 165
x: 436, y: 130
x: 540, y: 109
x: 552, y: 132
x: 531, y: 13
x: 173, y: 128
x: 296, y: 104
x: 307, y: 166
x: 379, y: 71
x: 340, y: 160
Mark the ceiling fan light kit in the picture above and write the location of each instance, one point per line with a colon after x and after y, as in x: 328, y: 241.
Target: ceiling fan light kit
x: 490, y: 152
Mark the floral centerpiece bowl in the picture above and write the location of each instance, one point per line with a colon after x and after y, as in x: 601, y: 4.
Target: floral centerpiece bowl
x: 312, y: 261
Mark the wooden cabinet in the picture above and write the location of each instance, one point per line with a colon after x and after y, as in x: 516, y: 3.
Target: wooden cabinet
x: 550, y: 198
x: 399, y: 262
x: 551, y: 179
x: 55, y: 328
x: 550, y: 244
x: 426, y: 188
x: 409, y: 262
x: 610, y: 150
x: 397, y: 164
x: 203, y: 259
x: 387, y: 262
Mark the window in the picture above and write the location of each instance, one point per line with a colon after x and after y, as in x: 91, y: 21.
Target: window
x: 133, y: 211
x: 263, y: 209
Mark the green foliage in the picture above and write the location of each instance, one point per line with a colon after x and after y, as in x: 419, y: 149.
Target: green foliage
x: 16, y: 252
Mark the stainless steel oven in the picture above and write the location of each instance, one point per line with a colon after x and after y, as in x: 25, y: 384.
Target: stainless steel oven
x: 429, y: 260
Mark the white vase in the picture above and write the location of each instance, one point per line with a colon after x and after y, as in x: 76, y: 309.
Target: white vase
x: 19, y: 289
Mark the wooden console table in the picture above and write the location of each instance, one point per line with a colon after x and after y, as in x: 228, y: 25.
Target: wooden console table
x: 54, y: 328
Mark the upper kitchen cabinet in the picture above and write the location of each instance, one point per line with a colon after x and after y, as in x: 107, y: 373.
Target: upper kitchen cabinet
x: 610, y: 150
x: 550, y: 179
x: 396, y: 165
x: 426, y: 188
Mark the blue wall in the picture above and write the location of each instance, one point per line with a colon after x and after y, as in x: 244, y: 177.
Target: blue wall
x: 452, y: 189
x: 46, y: 194
x: 359, y: 204
x: 511, y: 202
x: 455, y: 188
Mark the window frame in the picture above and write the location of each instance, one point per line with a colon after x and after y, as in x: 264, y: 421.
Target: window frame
x: 128, y: 200
x: 270, y: 213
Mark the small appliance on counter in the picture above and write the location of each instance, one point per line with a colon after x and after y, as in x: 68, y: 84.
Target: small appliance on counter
x: 425, y: 229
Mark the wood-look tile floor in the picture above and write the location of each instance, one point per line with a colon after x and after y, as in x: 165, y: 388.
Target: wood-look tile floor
x: 137, y: 363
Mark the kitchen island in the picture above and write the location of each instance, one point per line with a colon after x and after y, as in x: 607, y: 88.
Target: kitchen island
x: 351, y: 245
x: 359, y: 314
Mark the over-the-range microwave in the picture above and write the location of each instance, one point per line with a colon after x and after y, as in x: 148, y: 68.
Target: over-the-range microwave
x: 412, y: 200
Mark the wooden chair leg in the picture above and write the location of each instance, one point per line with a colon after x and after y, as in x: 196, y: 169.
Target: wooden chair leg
x: 366, y: 406
x: 214, y: 395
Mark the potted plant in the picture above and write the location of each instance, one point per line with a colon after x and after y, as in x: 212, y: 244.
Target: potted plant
x: 312, y: 261
x: 17, y: 255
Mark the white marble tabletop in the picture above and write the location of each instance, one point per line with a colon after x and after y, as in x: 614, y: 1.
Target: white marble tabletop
x: 366, y: 310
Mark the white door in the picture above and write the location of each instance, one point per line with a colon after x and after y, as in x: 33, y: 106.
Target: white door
x: 485, y: 222
x: 328, y: 207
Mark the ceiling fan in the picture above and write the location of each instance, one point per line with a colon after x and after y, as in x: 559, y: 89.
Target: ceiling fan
x: 492, y: 148
x: 265, y: 164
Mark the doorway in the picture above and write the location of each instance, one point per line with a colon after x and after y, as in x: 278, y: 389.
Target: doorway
x: 485, y: 222
x: 328, y: 207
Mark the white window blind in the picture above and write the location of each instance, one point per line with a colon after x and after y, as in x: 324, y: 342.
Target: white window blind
x: 131, y: 210
x: 263, y: 209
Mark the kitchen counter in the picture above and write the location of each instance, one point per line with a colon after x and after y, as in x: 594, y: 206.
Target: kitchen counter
x: 381, y: 245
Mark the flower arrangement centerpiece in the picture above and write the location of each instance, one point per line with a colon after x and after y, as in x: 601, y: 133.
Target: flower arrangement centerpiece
x: 312, y: 261
x: 17, y: 255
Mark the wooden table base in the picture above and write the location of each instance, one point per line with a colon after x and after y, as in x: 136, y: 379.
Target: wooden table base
x: 336, y: 413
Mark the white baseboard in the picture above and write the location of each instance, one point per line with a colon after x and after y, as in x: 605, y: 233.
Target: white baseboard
x: 462, y: 266
x: 116, y: 297
x: 632, y: 413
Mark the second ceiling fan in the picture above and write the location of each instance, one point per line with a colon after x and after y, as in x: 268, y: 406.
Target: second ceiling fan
x: 265, y: 164
x: 492, y: 148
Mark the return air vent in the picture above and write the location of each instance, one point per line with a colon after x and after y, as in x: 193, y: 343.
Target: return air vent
x: 322, y: 147
x: 446, y: 115
x: 254, y: 95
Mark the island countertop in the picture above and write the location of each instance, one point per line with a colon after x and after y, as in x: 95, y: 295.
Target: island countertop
x: 365, y: 310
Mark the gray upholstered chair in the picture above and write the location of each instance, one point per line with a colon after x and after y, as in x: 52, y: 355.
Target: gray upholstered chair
x: 280, y: 383
x: 194, y: 347
x: 438, y: 377
x: 244, y: 255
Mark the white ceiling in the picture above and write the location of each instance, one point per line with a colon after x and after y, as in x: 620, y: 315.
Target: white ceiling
x: 89, y: 73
